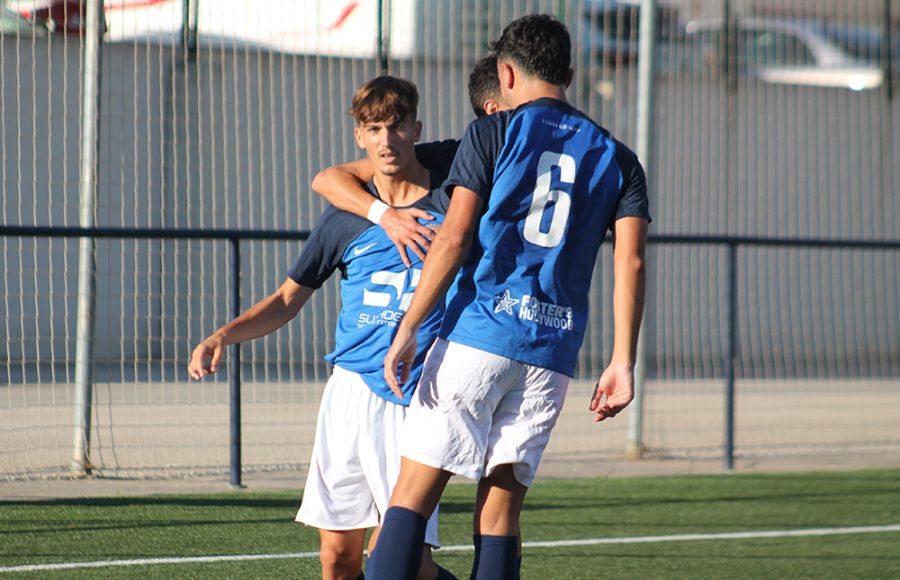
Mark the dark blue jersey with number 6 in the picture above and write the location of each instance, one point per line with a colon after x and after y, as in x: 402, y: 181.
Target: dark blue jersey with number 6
x: 553, y: 182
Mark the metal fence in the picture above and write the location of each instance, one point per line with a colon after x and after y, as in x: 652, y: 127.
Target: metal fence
x: 772, y: 120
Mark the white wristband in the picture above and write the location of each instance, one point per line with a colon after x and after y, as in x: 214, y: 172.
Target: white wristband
x: 376, y: 210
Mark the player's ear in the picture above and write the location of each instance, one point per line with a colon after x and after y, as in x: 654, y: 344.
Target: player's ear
x: 417, y: 131
x: 491, y: 106
x: 507, y: 75
x: 358, y: 134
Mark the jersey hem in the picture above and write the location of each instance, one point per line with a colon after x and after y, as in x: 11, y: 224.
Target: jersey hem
x: 389, y: 398
x: 569, y: 371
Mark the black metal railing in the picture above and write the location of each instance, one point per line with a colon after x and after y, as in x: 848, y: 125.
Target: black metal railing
x: 234, y: 237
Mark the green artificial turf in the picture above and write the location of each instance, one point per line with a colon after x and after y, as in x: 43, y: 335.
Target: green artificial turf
x: 247, y: 522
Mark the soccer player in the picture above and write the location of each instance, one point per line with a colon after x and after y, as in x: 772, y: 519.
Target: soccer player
x: 355, y: 458
x: 344, y: 185
x: 533, y: 192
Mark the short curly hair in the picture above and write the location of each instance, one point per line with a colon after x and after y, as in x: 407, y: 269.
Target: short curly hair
x: 385, y: 99
x: 540, y: 45
x: 484, y: 84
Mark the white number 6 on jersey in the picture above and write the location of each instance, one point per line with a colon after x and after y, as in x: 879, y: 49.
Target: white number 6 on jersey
x: 543, y: 196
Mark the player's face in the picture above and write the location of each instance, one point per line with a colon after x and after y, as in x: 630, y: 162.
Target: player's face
x: 390, y: 145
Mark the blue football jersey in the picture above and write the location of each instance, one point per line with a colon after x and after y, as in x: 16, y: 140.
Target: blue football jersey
x: 553, y: 182
x: 376, y: 289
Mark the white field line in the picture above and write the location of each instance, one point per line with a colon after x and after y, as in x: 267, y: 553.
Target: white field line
x: 466, y: 548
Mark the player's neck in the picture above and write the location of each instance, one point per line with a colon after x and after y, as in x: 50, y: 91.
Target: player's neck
x: 535, y: 89
x: 404, y: 188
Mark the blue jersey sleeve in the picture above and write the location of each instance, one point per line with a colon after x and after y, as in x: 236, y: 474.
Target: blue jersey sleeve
x: 633, y: 200
x: 323, y: 252
x: 473, y: 166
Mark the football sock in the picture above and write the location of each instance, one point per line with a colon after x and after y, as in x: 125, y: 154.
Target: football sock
x: 476, y: 541
x: 398, y: 553
x: 362, y: 576
x: 497, y: 558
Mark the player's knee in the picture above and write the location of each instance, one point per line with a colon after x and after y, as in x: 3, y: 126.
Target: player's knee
x: 340, y: 561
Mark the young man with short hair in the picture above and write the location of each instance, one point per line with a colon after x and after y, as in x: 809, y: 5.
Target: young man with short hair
x: 355, y: 457
x: 344, y: 185
x: 534, y: 191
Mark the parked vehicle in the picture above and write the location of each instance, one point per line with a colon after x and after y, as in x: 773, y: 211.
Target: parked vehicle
x: 779, y: 52
x: 610, y: 34
x: 13, y: 24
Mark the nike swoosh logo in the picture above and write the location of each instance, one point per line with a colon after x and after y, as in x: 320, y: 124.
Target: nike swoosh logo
x: 358, y: 251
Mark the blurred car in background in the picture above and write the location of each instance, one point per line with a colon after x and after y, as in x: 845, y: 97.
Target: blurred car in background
x: 13, y: 24
x: 779, y: 52
x: 864, y: 43
x: 610, y: 35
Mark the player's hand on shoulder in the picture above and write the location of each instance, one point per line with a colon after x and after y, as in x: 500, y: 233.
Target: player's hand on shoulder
x: 613, y: 392
x: 403, y: 228
x: 206, y: 357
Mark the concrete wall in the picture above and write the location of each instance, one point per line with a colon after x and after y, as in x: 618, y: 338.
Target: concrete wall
x: 231, y: 138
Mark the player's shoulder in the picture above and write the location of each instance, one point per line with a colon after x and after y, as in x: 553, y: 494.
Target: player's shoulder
x: 437, y: 156
x: 437, y: 199
x: 333, y: 217
x: 626, y: 158
x: 490, y: 125
x: 338, y: 227
x: 436, y: 149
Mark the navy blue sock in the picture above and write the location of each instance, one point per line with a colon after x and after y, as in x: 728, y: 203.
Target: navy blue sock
x: 444, y: 574
x: 476, y: 541
x: 497, y: 558
x: 398, y: 551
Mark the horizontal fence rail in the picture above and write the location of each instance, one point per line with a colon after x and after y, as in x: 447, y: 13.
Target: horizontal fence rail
x: 234, y: 237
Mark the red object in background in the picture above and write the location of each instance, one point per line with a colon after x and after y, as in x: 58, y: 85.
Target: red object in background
x: 61, y: 17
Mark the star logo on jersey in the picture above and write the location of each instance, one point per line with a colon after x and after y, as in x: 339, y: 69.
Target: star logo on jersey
x: 358, y: 251
x: 504, y: 303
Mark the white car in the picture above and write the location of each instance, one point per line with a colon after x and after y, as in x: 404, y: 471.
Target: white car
x: 782, y: 52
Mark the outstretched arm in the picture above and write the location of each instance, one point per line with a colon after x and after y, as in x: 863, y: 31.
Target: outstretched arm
x: 344, y: 186
x: 448, y: 251
x: 617, y: 381
x: 264, y: 317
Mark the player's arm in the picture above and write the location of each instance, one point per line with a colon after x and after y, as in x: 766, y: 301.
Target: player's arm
x: 448, y: 251
x: 264, y: 317
x: 344, y: 186
x: 617, y: 381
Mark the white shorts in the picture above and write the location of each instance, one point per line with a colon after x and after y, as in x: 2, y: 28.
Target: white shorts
x: 474, y: 410
x: 355, y: 459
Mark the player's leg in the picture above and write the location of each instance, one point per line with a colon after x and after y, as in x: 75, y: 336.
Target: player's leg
x: 337, y: 499
x: 496, y: 525
x: 379, y: 454
x: 446, y: 432
x: 398, y: 551
x: 522, y: 423
x: 428, y: 569
x: 341, y: 553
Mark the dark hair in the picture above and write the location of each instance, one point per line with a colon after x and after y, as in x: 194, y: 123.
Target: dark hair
x: 540, y: 45
x: 385, y: 99
x: 484, y: 84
